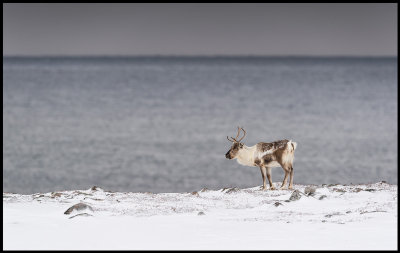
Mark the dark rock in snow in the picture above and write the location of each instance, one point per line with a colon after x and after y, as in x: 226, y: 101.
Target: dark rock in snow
x: 201, y: 213
x: 339, y: 190
x: 278, y: 204
x: 322, y: 197
x: 295, y: 196
x: 195, y: 193
x: 78, y: 207
x: 231, y: 190
x: 40, y: 196
x: 56, y: 194
x: 309, y: 191
x: 332, y: 214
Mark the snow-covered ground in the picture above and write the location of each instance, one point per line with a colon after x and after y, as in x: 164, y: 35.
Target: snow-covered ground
x: 335, y: 217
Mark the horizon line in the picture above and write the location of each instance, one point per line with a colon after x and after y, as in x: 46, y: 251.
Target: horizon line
x: 194, y: 56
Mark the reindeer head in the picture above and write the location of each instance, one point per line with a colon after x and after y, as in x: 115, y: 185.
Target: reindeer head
x: 236, y: 146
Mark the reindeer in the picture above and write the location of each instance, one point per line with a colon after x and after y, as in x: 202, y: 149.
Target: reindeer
x: 265, y: 156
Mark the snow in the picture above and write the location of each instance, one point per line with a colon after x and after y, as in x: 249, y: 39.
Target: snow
x: 349, y: 217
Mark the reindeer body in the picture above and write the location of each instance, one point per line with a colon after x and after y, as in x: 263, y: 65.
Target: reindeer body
x: 265, y: 156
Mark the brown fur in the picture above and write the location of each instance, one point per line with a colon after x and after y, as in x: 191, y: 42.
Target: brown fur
x: 279, y: 152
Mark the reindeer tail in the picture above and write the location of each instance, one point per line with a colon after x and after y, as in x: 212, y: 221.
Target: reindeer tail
x: 291, y: 145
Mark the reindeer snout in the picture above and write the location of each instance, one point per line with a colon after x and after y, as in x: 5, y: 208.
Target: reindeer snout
x: 228, y: 155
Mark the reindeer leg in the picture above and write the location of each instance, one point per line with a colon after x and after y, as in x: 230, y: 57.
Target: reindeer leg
x: 263, y: 172
x: 285, y: 178
x: 271, y: 186
x: 291, y: 178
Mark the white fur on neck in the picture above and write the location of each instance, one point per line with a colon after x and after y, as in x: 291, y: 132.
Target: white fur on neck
x: 245, y: 155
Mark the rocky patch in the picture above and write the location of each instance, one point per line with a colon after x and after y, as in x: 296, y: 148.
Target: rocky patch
x: 295, y: 196
x: 78, y: 207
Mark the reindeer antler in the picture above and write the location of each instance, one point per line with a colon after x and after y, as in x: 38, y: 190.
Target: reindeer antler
x: 243, y: 135
x: 235, y: 139
x: 229, y: 139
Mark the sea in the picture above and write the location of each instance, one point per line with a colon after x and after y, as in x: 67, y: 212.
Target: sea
x: 159, y: 123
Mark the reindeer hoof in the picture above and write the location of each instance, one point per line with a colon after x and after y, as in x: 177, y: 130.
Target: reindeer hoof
x: 282, y: 188
x: 272, y: 188
x: 290, y: 187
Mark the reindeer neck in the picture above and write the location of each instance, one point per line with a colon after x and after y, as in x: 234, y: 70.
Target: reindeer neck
x: 245, y: 155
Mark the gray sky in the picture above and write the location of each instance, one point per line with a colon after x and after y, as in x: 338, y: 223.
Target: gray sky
x: 200, y: 29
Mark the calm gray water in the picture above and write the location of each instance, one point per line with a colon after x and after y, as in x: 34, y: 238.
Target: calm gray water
x: 160, y: 124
